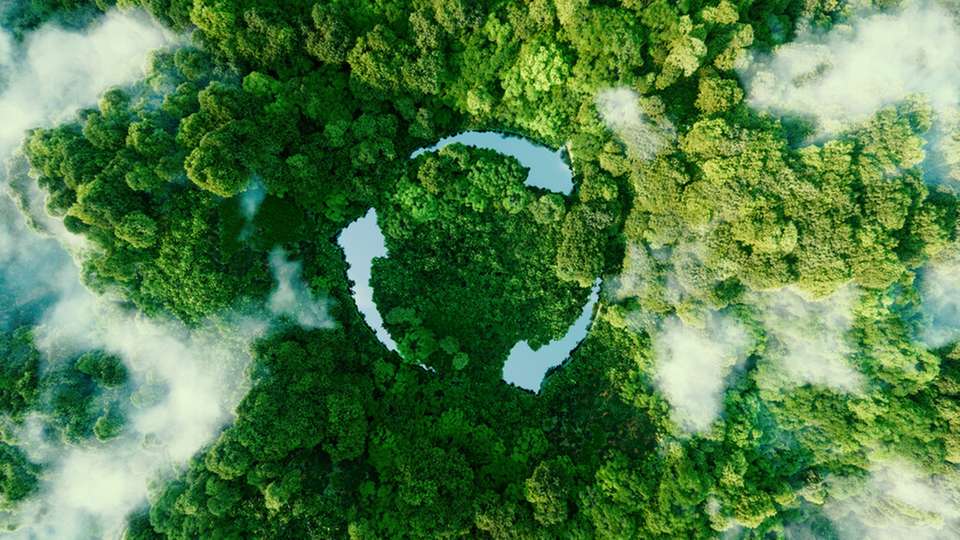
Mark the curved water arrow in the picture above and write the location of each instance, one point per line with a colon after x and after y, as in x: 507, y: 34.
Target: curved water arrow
x: 362, y: 241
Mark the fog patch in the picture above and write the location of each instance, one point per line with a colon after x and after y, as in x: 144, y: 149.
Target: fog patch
x: 194, y: 379
x: 847, y: 74
x: 897, y: 500
x: 293, y: 298
x: 939, y: 287
x: 640, y: 266
x: 30, y: 201
x: 807, y: 339
x: 24, y: 291
x: 58, y: 71
x: 643, y: 134
x: 188, y: 381
x: 197, y: 373
x: 941, y: 162
x: 692, y: 366
x: 6, y: 55
x: 6, y: 48
x: 252, y: 198
x: 43, y: 80
x: 250, y: 201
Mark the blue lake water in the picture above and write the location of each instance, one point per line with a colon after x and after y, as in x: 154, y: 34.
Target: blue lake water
x: 362, y: 241
x: 526, y: 367
x: 547, y: 167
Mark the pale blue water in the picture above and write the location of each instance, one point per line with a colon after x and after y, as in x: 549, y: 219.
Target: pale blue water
x: 547, y: 168
x: 526, y: 367
x: 362, y: 240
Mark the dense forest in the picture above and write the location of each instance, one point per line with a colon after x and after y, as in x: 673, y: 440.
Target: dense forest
x: 776, y: 351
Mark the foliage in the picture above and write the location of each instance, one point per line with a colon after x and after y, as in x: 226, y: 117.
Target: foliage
x: 320, y: 105
x: 74, y: 400
x: 467, y: 249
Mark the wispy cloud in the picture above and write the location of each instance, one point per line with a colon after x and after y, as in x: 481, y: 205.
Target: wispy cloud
x: 643, y: 134
x: 939, y: 285
x: 807, y: 340
x: 692, y: 366
x: 293, y: 298
x: 87, y: 490
x: 896, y: 500
x: 855, y: 69
x: 58, y: 71
x: 199, y: 377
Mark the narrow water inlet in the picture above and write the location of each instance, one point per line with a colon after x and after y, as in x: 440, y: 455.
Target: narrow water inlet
x: 362, y: 241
